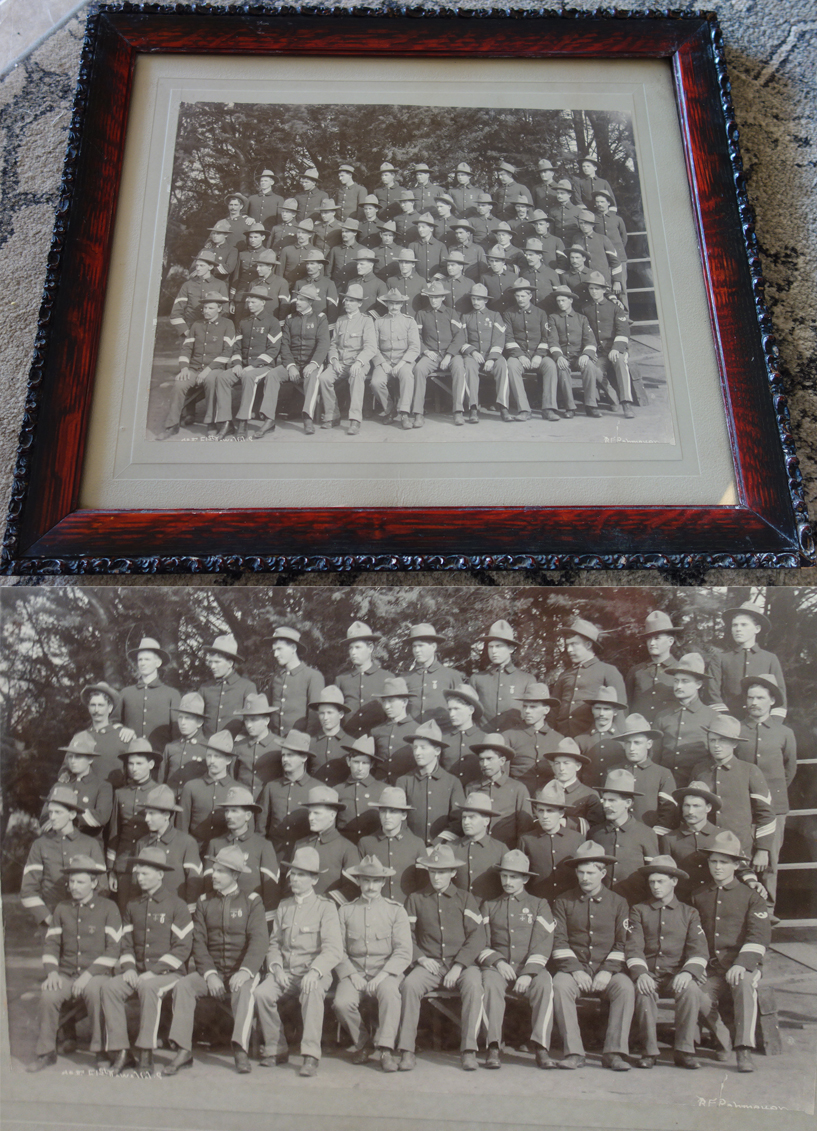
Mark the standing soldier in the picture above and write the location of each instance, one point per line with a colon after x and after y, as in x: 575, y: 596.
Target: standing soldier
x: 314, y: 277
x: 649, y: 684
x: 261, y: 864
x: 224, y: 250
x: 224, y: 694
x: 305, y: 946
x: 237, y: 217
x: 532, y: 743
x: 327, y: 229
x: 572, y: 345
x: 205, y: 353
x: 543, y: 277
x: 387, y: 250
x: 406, y: 218
x: 391, y: 745
x: 502, y: 684
x: 425, y: 190
x: 432, y: 793
x: 184, y: 759
x: 180, y: 849
x: 520, y: 930
x: 461, y: 732
x: 526, y: 346
x: 583, y: 802
x: 629, y: 842
x: 294, y: 684
x: 292, y: 257
x: 80, y: 952
x: 389, y: 192
x: 587, y: 674
x: 103, y: 701
x: 264, y: 206
x: 326, y: 747
x: 343, y: 258
x: 498, y: 277
x: 229, y: 946
x: 602, y: 256
x: 427, y: 679
x: 128, y: 824
x: 377, y: 949
x: 257, y: 754
x: 588, y: 184
x: 551, y: 843
x: 610, y: 325
x: 509, y: 797
x: 359, y: 791
x: 350, y: 194
x: 304, y: 349
x: 601, y: 743
x: 684, y: 728
x: 367, y: 679
x: 552, y: 247
x: 94, y: 793
x: 354, y: 345
x: 458, y: 283
x: 482, y: 852
x: 406, y: 280
x: 285, y: 233
x: 472, y: 253
x: 484, y: 221
x: 481, y: 354
x: 543, y: 194
x: 200, y: 815
x: 147, y: 706
x: 428, y: 250
x: 369, y: 232
x: 395, y: 845
x: 656, y: 805
x: 310, y: 198
x: 283, y: 818
x: 464, y: 194
x: 695, y: 830
x: 610, y: 224
x: 564, y: 213
x: 276, y: 285
x: 156, y: 942
x: 443, y: 229
x: 508, y: 190
x: 373, y: 287
x: 245, y: 274
x: 743, y: 658
x: 255, y: 354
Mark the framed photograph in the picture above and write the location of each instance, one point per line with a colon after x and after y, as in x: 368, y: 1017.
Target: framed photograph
x: 347, y: 290
x: 83, y: 667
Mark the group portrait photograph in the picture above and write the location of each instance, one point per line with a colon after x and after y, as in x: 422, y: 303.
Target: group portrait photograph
x: 453, y: 852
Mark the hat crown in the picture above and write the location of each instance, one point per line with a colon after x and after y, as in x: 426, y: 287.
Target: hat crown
x: 230, y: 856
x: 476, y: 802
x: 393, y: 797
x: 514, y: 861
x: 431, y: 731
x: 372, y: 868
x: 323, y: 795
x: 479, y: 290
x: 149, y: 643
x: 151, y: 854
x: 662, y: 862
x: 296, y: 741
x: 751, y: 607
x: 619, y: 780
x: 162, y: 797
x: 63, y: 795
x: 82, y: 743
x: 226, y: 643
x: 726, y: 726
x: 362, y: 745
x: 501, y: 630
x: 358, y: 630
x: 255, y: 704
x: 534, y: 692
x: 396, y: 686
x: 139, y: 746
x: 596, y: 279
x: 657, y: 620
x: 84, y: 863
x: 306, y: 859
x: 466, y: 693
x: 726, y: 842
x: 221, y: 741
x: 636, y: 724
x: 441, y: 857
x: 355, y: 291
x: 495, y: 739
x: 589, y: 852
x: 578, y: 626
x: 331, y: 696
x: 692, y: 662
x: 568, y: 746
x: 310, y: 293
x: 192, y: 703
x: 606, y: 695
x: 101, y: 687
x: 551, y: 794
x: 238, y: 796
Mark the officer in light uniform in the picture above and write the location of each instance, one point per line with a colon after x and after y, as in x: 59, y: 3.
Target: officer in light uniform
x: 225, y: 693
x: 353, y: 347
x: 229, y: 945
x: 398, y: 347
x: 184, y: 759
x: 377, y: 950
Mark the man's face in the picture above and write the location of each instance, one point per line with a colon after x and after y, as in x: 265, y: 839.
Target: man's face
x: 147, y: 662
x: 496, y: 265
x: 685, y: 687
x: 78, y: 764
x: 237, y: 818
x: 395, y: 707
x: 313, y: 270
x: 505, y: 177
x: 435, y: 302
x: 534, y: 259
x: 345, y: 177
x: 394, y: 308
x: 387, y: 177
x: 219, y: 665
x: 233, y: 209
x: 474, y: 825
x: 407, y: 205
x: 603, y: 715
x: 479, y: 302
x: 263, y: 270
x: 426, y: 754
x: 147, y: 877
x: 454, y: 269
x: 293, y: 764
x: 139, y: 767
x: 542, y: 228
x: 521, y: 211
x: 216, y: 763
x: 546, y: 175
x: 585, y: 227
x: 660, y: 643
x: 81, y: 885
x: 223, y: 878
x: 462, y: 235
x: 491, y: 764
x: 512, y: 882
x: 369, y: 211
x: 352, y: 305
x: 578, y: 648
x: 406, y: 269
x: 484, y: 209
x: 441, y: 877
x: 287, y: 215
x: 661, y: 886
x: 255, y: 305
x: 499, y: 652
x: 329, y: 717
x: 307, y: 184
x: 200, y: 268
x: 386, y: 237
x: 321, y: 818
x: 302, y: 237
x: 99, y: 708
x: 744, y: 630
x: 549, y: 817
x: 303, y: 305
x: 615, y: 806
x: 265, y: 183
x: 423, y: 651
x: 503, y: 238
x: 59, y: 815
x: 360, y: 651
x: 720, y: 749
x: 443, y: 209
x: 562, y: 195
x: 576, y: 260
x: 424, y: 231
x: 255, y: 239
x: 391, y: 821
x: 722, y: 868
x: 371, y: 886
x: 188, y: 724
x: 564, y: 303
x: 256, y: 725
x: 637, y: 748
x: 327, y: 216
x: 301, y: 883
x: 463, y: 178
x: 695, y: 810
x: 590, y: 877
x: 422, y: 176
x: 210, y: 310
x: 365, y: 267
x: 360, y: 766
x: 602, y: 204
x: 157, y: 820
x: 588, y: 169
x: 460, y: 713
x: 218, y: 238
x: 759, y: 701
x: 565, y: 769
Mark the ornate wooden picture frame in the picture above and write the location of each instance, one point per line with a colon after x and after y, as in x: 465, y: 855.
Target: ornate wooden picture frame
x: 763, y: 522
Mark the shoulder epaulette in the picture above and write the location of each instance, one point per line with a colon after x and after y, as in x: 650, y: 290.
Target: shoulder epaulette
x: 253, y: 895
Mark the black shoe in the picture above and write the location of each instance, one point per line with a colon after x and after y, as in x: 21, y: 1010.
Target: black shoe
x: 572, y: 1061
x: 223, y: 429
x: 550, y: 414
x: 521, y: 417
x: 469, y: 1061
x: 145, y: 1063
x: 504, y: 414
x: 44, y: 1060
x: 594, y: 412
x: 122, y: 1061
x: 569, y: 413
x: 309, y: 1066
x: 686, y: 1060
x: 473, y: 415
x: 645, y: 1062
x: 628, y: 410
x: 492, y: 1060
x: 543, y: 1059
x: 166, y: 433
x: 745, y: 1063
x: 616, y: 1062
x: 309, y: 426
x: 242, y: 1061
x: 182, y: 1059
x: 361, y: 1056
x: 241, y: 429
x: 267, y: 426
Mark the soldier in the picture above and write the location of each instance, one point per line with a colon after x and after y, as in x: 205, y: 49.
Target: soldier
x: 520, y: 222
x: 532, y: 743
x: 737, y: 927
x: 772, y: 747
x: 695, y: 830
x: 484, y: 221
x: 649, y: 684
x: 369, y: 233
x: 350, y: 194
x: 572, y: 345
x: 398, y: 347
x: 284, y: 234
x: 459, y: 285
x: 656, y: 805
x: 508, y: 190
x: 343, y: 258
x: 520, y: 930
x: 276, y: 285
x: 428, y: 250
x: 294, y: 684
x: 102, y: 701
x: 406, y: 219
x: 395, y: 845
x: 314, y: 277
x: 666, y: 954
x: 389, y: 192
x: 204, y: 355
x: 128, y: 824
x: 500, y: 686
x: 240, y: 223
x: 583, y: 802
x: 257, y: 754
x: 305, y: 947
x: 472, y: 253
x: 549, y: 844
x: 256, y: 351
x: 392, y: 748
x: 359, y: 791
x: 588, y: 184
x: 406, y: 280
x: 602, y: 256
x: 683, y: 743
x: 265, y: 205
x: 181, y: 851
x: 610, y: 325
x: 309, y: 200
x: 744, y: 657
x: 335, y: 852
x: 184, y: 759
x: 444, y: 207
x: 261, y: 874
x: 498, y: 278
x: 199, y: 814
x: 372, y: 287
x: 482, y: 852
x: 292, y: 257
x: 610, y: 224
x: 225, y: 693
x: 564, y: 214
x: 229, y: 946
x: 80, y: 951
x: 514, y: 256
x: 44, y: 884
x: 582, y: 642
x: 601, y: 743
x: 425, y: 190
x: 448, y: 935
x: 482, y: 354
x: 461, y: 732
x: 432, y: 792
x: 156, y: 943
x: 537, y: 272
x: 94, y: 793
x: 629, y: 842
x: 304, y: 349
x: 366, y: 680
x: 224, y: 250
x: 327, y: 229
x: 588, y: 953
x: 386, y: 253
x: 552, y: 247
x: 377, y: 950
x: 427, y: 679
x: 526, y: 344
x: 187, y: 305
x: 543, y: 193
x: 245, y: 274
x: 577, y: 274
x: 147, y: 706
x: 326, y: 747
x: 283, y: 816
x: 464, y: 194
x: 509, y: 796
x: 354, y: 345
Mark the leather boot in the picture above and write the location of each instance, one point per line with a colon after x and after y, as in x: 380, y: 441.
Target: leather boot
x: 267, y: 426
x: 182, y: 1059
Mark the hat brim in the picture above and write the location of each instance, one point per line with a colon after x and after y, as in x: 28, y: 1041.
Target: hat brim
x: 762, y: 681
x: 430, y: 636
x: 728, y: 737
x: 300, y: 868
x: 372, y: 637
x: 78, y: 808
x: 671, y: 631
x: 577, y: 756
x: 237, y: 805
x: 729, y: 615
x: 187, y: 711
x: 269, y: 711
x: 475, y: 703
x: 151, y: 755
x: 501, y: 639
x: 352, y: 751
x: 295, y: 750
x: 534, y: 803
x: 131, y: 860
x: 82, y: 753
x: 687, y: 791
x: 165, y: 656
x: 242, y: 871
x: 722, y: 852
x: 607, y: 703
x: 622, y: 792
x: 551, y: 702
x: 632, y: 733
x: 685, y: 671
x: 439, y: 742
x: 385, y: 805
x: 100, y: 870
x: 517, y: 871
x: 96, y: 689
x: 574, y: 861
x: 648, y: 870
x: 328, y: 703
x: 355, y: 875
x: 339, y: 805
x: 222, y: 651
x: 432, y: 866
x: 464, y: 807
x: 174, y: 808
x: 499, y: 747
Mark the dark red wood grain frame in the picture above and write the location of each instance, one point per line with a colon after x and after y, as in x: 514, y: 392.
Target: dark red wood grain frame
x: 46, y: 531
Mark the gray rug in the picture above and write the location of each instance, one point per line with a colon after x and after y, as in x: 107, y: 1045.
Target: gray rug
x: 772, y: 57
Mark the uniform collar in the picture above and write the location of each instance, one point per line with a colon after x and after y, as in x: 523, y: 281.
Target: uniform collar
x: 733, y: 883
x: 738, y: 648
x: 161, y: 895
x: 226, y: 780
x: 166, y: 837
x: 585, y: 898
x: 434, y: 666
x: 327, y: 836
x: 723, y: 765
x: 707, y: 829
x: 234, y: 890
x: 235, y: 838
x: 507, y: 667
x: 154, y: 683
x: 756, y: 724
x: 72, y: 835
x: 657, y: 904
x: 368, y: 782
x: 645, y: 765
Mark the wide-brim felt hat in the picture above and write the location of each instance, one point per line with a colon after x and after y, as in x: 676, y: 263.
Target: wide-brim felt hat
x: 323, y: 795
x: 768, y: 680
x: 392, y: 797
x: 429, y: 732
x: 358, y: 630
x: 439, y: 859
x: 364, y: 745
x: 636, y: 724
x: 82, y: 744
x: 594, y: 854
x: 478, y: 802
x: 620, y: 781
x: 493, y: 742
x: 370, y: 867
x: 259, y: 292
x: 659, y: 622
x: 238, y: 797
x: 466, y: 694
x: 726, y: 726
x: 140, y: 747
x: 331, y: 696
x: 515, y: 861
x: 305, y: 859
x: 425, y: 632
x: 501, y: 630
x: 230, y: 856
x: 190, y: 704
x: 539, y: 693
x: 153, y: 857
x: 698, y: 789
x: 100, y: 688
x: 571, y: 751
x: 162, y: 797
x: 83, y: 863
x: 726, y: 843
x: 236, y: 196
x: 149, y: 643
x: 665, y: 865
x: 61, y: 794
x: 748, y: 608
x: 225, y: 645
x: 565, y: 292
x: 692, y: 664
x: 257, y: 705
x: 608, y: 696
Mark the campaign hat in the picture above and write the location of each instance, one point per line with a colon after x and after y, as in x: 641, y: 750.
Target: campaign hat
x: 538, y: 693
x: 354, y: 291
x: 150, y: 644
x: 231, y: 857
x: 370, y: 867
x: 267, y: 256
x: 425, y: 632
x: 495, y: 252
x: 665, y: 865
x: 255, y: 226
x: 521, y: 284
x: 440, y: 858
x: 592, y: 160
x: 521, y: 202
x: 365, y: 253
x: 620, y: 781
x: 100, y: 688
x: 266, y: 173
x: 478, y: 802
x: 394, y: 687
x: 445, y: 197
x: 392, y: 797
x: 285, y: 632
x: 331, y: 696
x: 259, y: 291
x: 328, y: 205
x: 564, y: 184
x: 310, y: 172
x: 426, y: 218
x: 296, y: 742
x: 698, y: 789
x: 726, y: 843
x: 750, y: 608
x: 83, y: 863
x: 543, y: 163
x: 589, y: 853
x: 392, y: 295
x: 569, y: 748
x: 256, y: 705
x: 500, y: 630
x: 485, y: 198
x: 495, y: 742
x: 372, y: 200
x: 502, y: 226
x: 152, y: 855
x: 691, y: 664
x: 463, y: 167
x: 534, y: 245
x: 140, y: 746
x: 222, y: 226
x: 162, y: 797
x: 608, y: 696
x: 604, y: 193
x: 358, y: 630
x: 434, y: 289
x: 314, y: 255
x: 479, y: 290
x: 213, y: 296
x: 290, y: 204
x: 206, y: 256
x: 406, y: 194
x: 406, y: 255
x: 515, y: 861
x: 429, y: 732
x: 240, y: 797
x: 190, y: 704
x: 225, y: 645
x: 305, y: 225
x: 586, y: 216
x: 462, y: 223
x: 726, y: 726
x: 506, y: 167
x: 596, y: 279
x: 657, y: 621
x: 387, y: 167
x: 454, y: 256
x: 565, y: 291
x: 466, y: 693
x: 350, y: 224
x: 362, y: 745
x: 387, y: 225
x: 346, y: 168
x: 64, y: 795
x: 637, y: 724
x: 82, y: 743
x: 553, y: 794
x: 221, y: 742
x: 421, y: 167
x: 323, y: 795
x: 310, y: 293
x: 578, y: 626
x: 236, y: 196
x: 305, y: 859
x: 767, y: 680
x: 579, y: 251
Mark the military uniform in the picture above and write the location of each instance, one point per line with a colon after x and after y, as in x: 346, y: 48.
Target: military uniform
x: 208, y: 345
x: 649, y: 689
x: 337, y: 855
x: 728, y: 669
x: 465, y: 198
x: 430, y: 254
x: 398, y: 344
x: 448, y: 927
x: 257, y: 761
x: 263, y: 207
x: 498, y: 285
x: 200, y: 816
x: 746, y: 804
x: 737, y: 925
x: 226, y: 258
x: 684, y: 741
x: 229, y: 935
x: 309, y: 202
x: 411, y: 286
x: 44, y: 884
x: 633, y: 844
x: 405, y: 223
x: 480, y: 875
x: 578, y: 684
x: 353, y: 340
x: 426, y: 685
x: 146, y: 710
x: 389, y: 197
x: 126, y: 829
x: 565, y: 220
x: 601, y: 255
x: 95, y: 795
x: 392, y: 751
x: 433, y: 797
x: 587, y: 187
x: 283, y: 818
x: 485, y: 334
x: 425, y: 196
x: 157, y: 937
x: 359, y: 818
x: 499, y: 687
x: 108, y: 746
x: 182, y: 853
x: 83, y: 937
x: 584, y: 806
x: 441, y: 335
x: 399, y: 852
x: 305, y: 342
x: 350, y: 199
x: 543, y: 279
x: 531, y: 747
x: 264, y: 874
x: 328, y: 756
x: 222, y: 699
x: 665, y: 940
x: 590, y: 935
x: 386, y: 259
x: 657, y: 807
x: 504, y: 194
x: 546, y: 851
x: 611, y: 329
x: 305, y: 936
x: 605, y: 750
x: 570, y: 336
x: 458, y: 759
x: 342, y: 263
x: 290, y: 693
x: 772, y: 747
x: 376, y: 939
x: 685, y: 845
x: 520, y: 932
x: 181, y: 762
x: 282, y: 236
x: 526, y: 335
x: 326, y: 235
x: 245, y: 275
x: 510, y: 799
x: 186, y: 309
x: 361, y: 687
x: 328, y: 302
x: 256, y: 349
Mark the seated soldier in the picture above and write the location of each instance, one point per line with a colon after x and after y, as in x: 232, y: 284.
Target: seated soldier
x: 572, y: 346
x: 200, y: 815
x: 588, y: 953
x: 262, y: 874
x: 601, y: 743
x: 335, y: 852
x: 448, y: 935
x: 81, y: 949
x: 611, y: 328
x: 156, y: 942
x: 183, y: 759
x: 548, y: 846
x: 391, y: 745
x: 481, y: 851
x: 204, y: 355
x: 655, y: 806
x: 283, y: 816
x: 629, y: 842
x: 520, y: 938
x: 229, y: 946
x: 584, y: 805
x: 481, y: 354
x: 304, y: 349
x: 185, y: 879
x: 431, y: 791
x: 666, y: 955
x: 377, y: 949
x: 737, y: 926
x: 257, y: 754
x: 255, y: 354
x: 395, y: 845
x: 305, y: 946
x: 326, y: 747
x: 354, y: 344
x: 441, y: 338
x: 532, y: 743
x: 464, y: 708
x: 359, y: 791
x: 508, y: 796
x: 526, y: 348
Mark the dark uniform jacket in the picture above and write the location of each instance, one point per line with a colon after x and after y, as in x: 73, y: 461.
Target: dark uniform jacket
x: 570, y: 334
x: 440, y: 332
x: 361, y: 687
x: 411, y: 287
x: 226, y: 258
x: 610, y: 224
x: 157, y: 934
x: 685, y: 846
x: 526, y: 332
x: 186, y: 879
x: 405, y: 223
x: 584, y: 806
x: 465, y: 198
x: 727, y: 669
x: 309, y: 202
x: 429, y: 256
x: 520, y: 931
x: 83, y: 937
x: 746, y: 806
x: 633, y: 845
x: 342, y: 263
x: 510, y: 798
x: 591, y: 932
x: 587, y: 187
x: 433, y: 797
x: 264, y: 207
x: 44, y: 884
x: 394, y: 753
x: 181, y: 762
x: 359, y: 818
x: 291, y: 262
x: 376, y: 938
x: 350, y: 198
x: 610, y: 326
x: 306, y: 338
x: 498, y: 286
x: 208, y: 344
x: 426, y: 686
x: 186, y: 307
x: 649, y: 689
x: 282, y: 236
x: 666, y: 939
x: 458, y: 758
x: 551, y: 245
x: 447, y: 926
x: 328, y: 302
x: 565, y: 220
x: 200, y: 815
x: 389, y: 197
x: 108, y: 746
x: 229, y: 934
x: 602, y: 253
x: 326, y: 235
x: 245, y: 275
x: 580, y: 682
x: 222, y: 698
x: 484, y: 333
x: 736, y: 922
x: 257, y: 761
x: 504, y: 194
x: 95, y: 795
x: 498, y: 689
x: 258, y: 341
x: 544, y: 279
x: 283, y: 818
x: 657, y: 808
x: 480, y: 875
x: 291, y: 691
x: 606, y: 751
x: 399, y: 852
x: 259, y: 856
x: 530, y: 749
x: 145, y: 709
x: 772, y: 747
x: 546, y: 851
x: 328, y: 756
x: 683, y: 744
x: 373, y: 288
x: 128, y: 824
x: 384, y: 264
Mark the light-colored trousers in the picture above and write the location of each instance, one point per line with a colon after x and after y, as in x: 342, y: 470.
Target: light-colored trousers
x: 387, y: 996
x: 357, y: 385
x: 267, y: 997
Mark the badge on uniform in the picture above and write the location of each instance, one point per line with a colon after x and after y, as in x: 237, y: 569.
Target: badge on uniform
x: 91, y: 930
x: 161, y: 916
x: 761, y: 914
x: 526, y: 915
x: 433, y: 685
x: 237, y: 914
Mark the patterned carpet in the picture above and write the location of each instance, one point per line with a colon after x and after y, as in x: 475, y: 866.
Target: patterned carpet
x: 772, y: 58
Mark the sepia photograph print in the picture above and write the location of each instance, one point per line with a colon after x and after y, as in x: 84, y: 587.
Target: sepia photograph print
x: 409, y: 857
